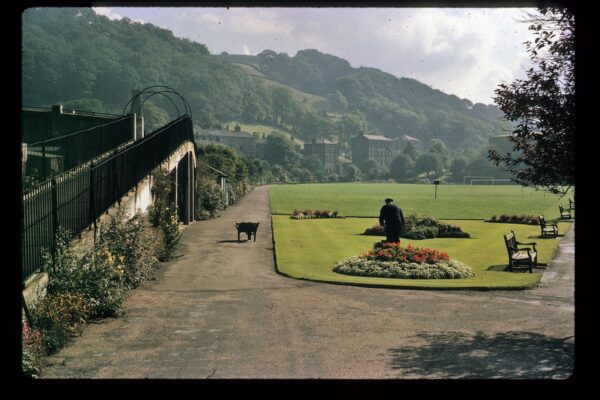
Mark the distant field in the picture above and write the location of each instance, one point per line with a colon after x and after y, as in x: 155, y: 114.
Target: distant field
x: 266, y: 129
x: 308, y: 249
x: 453, y: 201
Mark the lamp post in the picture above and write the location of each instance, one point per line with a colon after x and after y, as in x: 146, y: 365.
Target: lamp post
x: 436, y: 183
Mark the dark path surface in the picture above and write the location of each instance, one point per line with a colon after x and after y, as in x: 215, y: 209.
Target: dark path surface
x: 221, y: 311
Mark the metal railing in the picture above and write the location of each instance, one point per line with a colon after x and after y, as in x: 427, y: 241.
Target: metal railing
x: 77, y: 198
x: 53, y: 156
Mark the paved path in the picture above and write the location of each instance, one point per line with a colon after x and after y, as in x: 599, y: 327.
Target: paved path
x: 221, y: 311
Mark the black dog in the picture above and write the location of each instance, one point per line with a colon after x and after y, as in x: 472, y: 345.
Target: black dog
x: 249, y: 228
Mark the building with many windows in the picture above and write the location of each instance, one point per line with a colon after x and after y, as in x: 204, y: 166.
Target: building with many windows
x: 378, y: 148
x: 326, y: 151
x: 243, y: 143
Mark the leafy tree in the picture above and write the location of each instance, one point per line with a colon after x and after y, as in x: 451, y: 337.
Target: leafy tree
x: 458, y: 167
x: 543, y: 107
x: 351, y: 124
x: 439, y: 147
x: 337, y: 102
x: 283, y: 104
x: 428, y: 162
x: 351, y: 173
x: 410, y: 151
x: 280, y: 150
x: 302, y: 175
x: 314, y: 165
x: 154, y: 116
x: 86, y: 104
x: 371, y: 169
x: 401, y: 167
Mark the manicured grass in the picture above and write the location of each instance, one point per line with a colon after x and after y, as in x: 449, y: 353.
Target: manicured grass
x: 453, y: 201
x: 308, y: 249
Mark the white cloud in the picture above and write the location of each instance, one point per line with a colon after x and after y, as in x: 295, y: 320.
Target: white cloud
x: 107, y: 12
x: 459, y: 51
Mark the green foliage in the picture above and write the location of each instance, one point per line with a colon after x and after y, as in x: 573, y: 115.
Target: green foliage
x: 31, y: 179
x: 163, y: 213
x: 228, y: 161
x: 59, y: 316
x: 401, y: 167
x: 154, y: 116
x: 31, y: 344
x: 351, y: 173
x: 543, y: 106
x: 134, y: 244
x: 77, y: 56
x: 428, y: 162
x: 93, y: 105
x: 280, y: 150
x: 359, y: 266
x: 212, y: 200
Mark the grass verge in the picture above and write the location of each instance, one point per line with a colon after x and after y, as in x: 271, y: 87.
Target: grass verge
x: 308, y: 249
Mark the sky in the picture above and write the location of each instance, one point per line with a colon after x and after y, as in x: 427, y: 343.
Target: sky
x: 467, y: 52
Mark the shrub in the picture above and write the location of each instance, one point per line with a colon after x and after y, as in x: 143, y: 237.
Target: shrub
x: 458, y: 235
x: 96, y: 275
x: 376, y: 230
x: 163, y: 214
x: 299, y: 214
x: 59, y: 316
x: 421, y: 232
x: 31, y: 361
x: 211, y: 198
x: 516, y: 219
x: 134, y: 244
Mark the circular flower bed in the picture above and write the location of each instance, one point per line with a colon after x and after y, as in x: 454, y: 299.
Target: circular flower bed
x: 390, y: 260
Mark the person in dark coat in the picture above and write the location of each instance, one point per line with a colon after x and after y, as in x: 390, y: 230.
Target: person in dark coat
x: 391, y: 218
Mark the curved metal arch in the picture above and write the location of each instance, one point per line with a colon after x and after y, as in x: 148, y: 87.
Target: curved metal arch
x: 153, y: 94
x: 148, y: 90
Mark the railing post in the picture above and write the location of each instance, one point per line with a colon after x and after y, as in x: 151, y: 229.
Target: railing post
x: 54, y: 196
x: 92, y: 199
x: 44, y: 161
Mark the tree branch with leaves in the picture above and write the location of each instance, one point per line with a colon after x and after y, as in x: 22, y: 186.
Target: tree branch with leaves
x: 543, y: 107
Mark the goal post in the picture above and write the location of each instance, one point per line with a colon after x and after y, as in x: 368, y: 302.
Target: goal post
x: 493, y: 181
x: 475, y: 176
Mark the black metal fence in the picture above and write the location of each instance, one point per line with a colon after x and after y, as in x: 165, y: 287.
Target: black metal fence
x: 54, y: 156
x: 77, y: 198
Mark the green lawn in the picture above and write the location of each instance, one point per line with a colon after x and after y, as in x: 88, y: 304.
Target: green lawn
x: 266, y: 129
x: 453, y: 201
x: 308, y: 249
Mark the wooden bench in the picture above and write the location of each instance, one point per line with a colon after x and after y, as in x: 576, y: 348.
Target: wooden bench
x: 549, y: 229
x: 520, y: 257
x: 564, y: 213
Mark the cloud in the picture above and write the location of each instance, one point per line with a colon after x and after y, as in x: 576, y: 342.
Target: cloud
x: 458, y: 51
x: 107, y: 12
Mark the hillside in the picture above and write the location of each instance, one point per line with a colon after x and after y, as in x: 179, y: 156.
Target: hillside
x: 392, y: 106
x: 86, y: 61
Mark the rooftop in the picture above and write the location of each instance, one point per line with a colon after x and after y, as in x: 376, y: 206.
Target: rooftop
x: 320, y: 141
x: 377, y: 137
